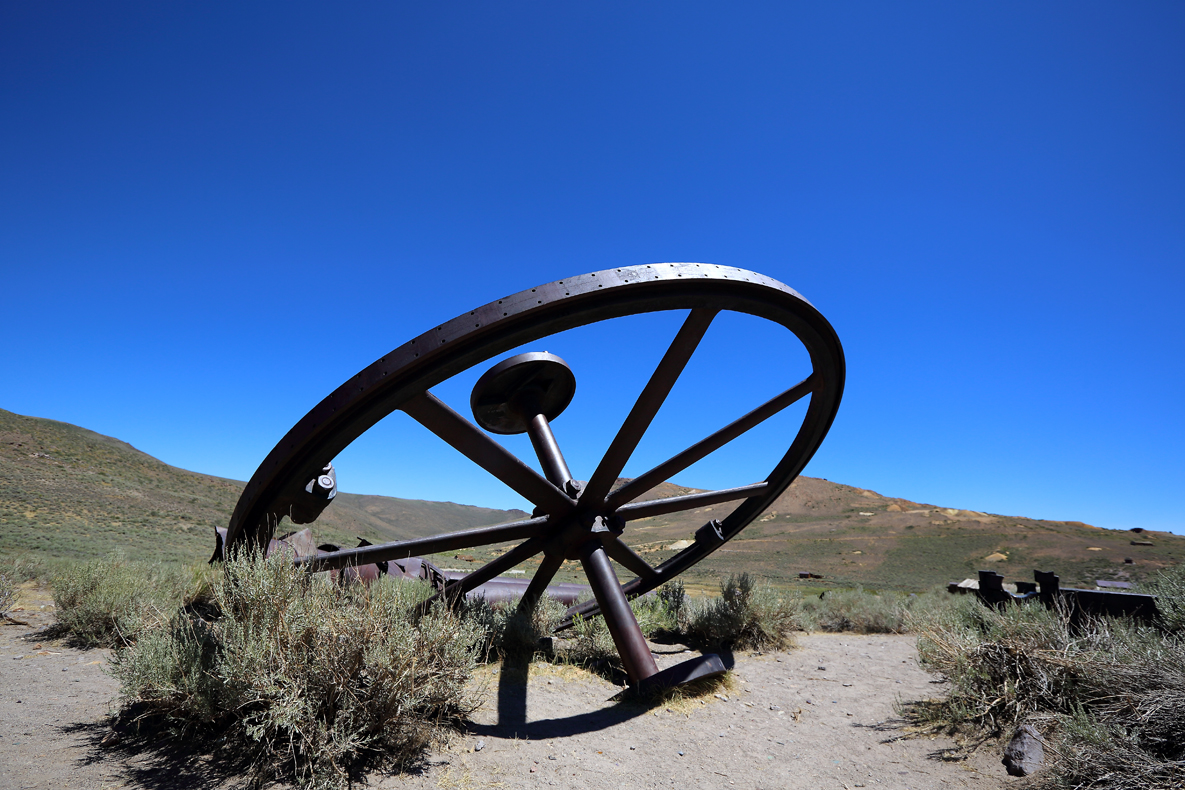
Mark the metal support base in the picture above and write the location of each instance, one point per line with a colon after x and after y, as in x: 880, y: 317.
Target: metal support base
x: 689, y: 671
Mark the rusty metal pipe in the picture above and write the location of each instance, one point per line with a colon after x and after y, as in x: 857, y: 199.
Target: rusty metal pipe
x: 623, y: 626
x: 402, y: 549
x: 555, y: 468
x: 674, y: 504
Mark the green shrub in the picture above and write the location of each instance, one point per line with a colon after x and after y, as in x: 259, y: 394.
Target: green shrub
x: 107, y: 603
x: 309, y: 679
x: 654, y: 614
x: 746, y: 616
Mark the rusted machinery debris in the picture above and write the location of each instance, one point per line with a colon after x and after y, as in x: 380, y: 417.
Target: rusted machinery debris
x: 503, y: 588
x: 1046, y: 589
x: 525, y: 393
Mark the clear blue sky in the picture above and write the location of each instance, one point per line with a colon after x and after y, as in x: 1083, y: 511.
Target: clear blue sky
x: 212, y: 214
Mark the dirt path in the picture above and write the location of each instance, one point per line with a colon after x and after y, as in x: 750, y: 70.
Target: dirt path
x: 819, y: 716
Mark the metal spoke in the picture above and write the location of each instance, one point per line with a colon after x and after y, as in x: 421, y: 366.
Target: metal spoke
x: 647, y: 405
x: 547, y: 570
x: 675, y: 504
x: 488, y: 571
x: 629, y: 559
x: 672, y: 466
x: 402, y: 549
x: 470, y: 441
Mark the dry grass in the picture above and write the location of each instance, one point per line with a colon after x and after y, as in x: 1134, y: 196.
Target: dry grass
x: 1107, y: 694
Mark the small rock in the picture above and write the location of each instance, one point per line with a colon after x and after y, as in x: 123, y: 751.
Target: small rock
x: 112, y: 738
x: 633, y: 747
x: 680, y: 754
x: 1024, y: 753
x: 822, y: 669
x: 774, y: 707
x: 479, y: 746
x: 847, y: 684
x: 720, y: 697
x: 551, y: 756
x: 722, y: 734
x: 534, y: 767
x: 808, y: 702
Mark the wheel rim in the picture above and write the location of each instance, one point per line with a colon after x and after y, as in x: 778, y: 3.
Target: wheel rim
x: 401, y: 380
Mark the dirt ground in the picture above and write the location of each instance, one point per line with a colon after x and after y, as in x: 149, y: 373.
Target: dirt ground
x: 819, y: 716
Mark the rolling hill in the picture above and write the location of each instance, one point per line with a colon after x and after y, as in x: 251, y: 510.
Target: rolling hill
x: 72, y: 493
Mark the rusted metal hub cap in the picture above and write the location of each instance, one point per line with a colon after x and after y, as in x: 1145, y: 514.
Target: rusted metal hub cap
x: 509, y: 394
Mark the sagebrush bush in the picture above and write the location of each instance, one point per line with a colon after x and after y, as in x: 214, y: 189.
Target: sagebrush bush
x: 865, y: 612
x: 108, y: 602
x: 507, y: 632
x: 590, y: 644
x: 1168, y: 586
x: 1108, y: 693
x: 673, y: 597
x: 19, y: 568
x: 746, y: 616
x: 7, y: 595
x: 309, y: 678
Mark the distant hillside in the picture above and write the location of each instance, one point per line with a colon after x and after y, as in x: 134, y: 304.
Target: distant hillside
x: 851, y: 535
x: 69, y: 492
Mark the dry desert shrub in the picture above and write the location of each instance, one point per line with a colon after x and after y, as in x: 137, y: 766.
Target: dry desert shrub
x: 746, y: 616
x: 864, y: 612
x: 309, y: 679
x: 20, y: 568
x: 108, y: 602
x: 589, y: 643
x: 1107, y: 693
x: 508, y: 633
x: 7, y: 595
x: 1168, y: 586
